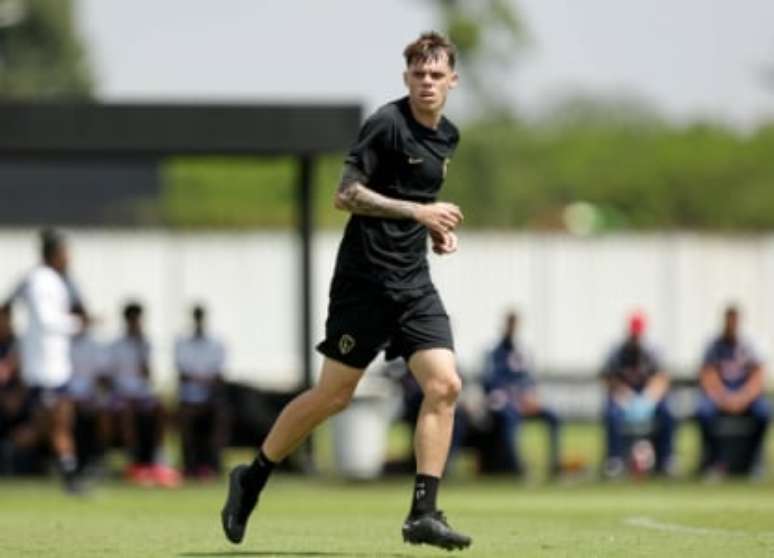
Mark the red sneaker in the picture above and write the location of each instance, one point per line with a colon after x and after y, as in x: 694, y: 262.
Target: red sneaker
x: 166, y: 476
x: 141, y: 475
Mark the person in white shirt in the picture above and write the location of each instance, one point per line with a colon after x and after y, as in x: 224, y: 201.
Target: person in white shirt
x: 199, y: 359
x: 140, y: 413
x: 54, y: 315
x: 90, y: 389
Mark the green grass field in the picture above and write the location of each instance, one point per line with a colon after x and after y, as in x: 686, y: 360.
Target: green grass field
x: 325, y: 517
x: 302, y: 517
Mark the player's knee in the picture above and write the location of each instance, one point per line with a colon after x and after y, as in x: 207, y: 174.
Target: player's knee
x: 339, y: 399
x: 445, y: 389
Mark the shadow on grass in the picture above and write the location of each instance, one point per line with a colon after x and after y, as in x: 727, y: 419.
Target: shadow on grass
x: 289, y: 553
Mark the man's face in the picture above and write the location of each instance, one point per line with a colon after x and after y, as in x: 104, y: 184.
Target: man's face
x: 429, y: 82
x: 60, y: 259
x: 732, y: 324
x: 134, y: 324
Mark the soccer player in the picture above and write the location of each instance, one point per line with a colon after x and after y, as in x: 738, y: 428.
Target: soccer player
x: 512, y: 393
x: 637, y: 388
x: 55, y: 314
x: 199, y: 359
x: 381, y: 295
x: 731, y: 380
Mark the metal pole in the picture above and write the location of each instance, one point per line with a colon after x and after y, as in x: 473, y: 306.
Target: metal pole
x: 305, y: 229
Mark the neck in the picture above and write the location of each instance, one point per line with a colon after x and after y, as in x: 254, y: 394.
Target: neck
x: 427, y: 119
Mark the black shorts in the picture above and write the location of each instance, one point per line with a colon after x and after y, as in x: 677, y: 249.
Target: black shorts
x: 364, y: 319
x: 48, y: 397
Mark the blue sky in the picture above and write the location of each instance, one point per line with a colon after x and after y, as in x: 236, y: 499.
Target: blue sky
x: 689, y: 58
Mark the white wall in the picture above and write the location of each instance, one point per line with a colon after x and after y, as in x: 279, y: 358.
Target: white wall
x: 573, y: 293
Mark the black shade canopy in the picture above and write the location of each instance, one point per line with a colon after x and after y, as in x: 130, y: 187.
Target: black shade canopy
x: 41, y: 129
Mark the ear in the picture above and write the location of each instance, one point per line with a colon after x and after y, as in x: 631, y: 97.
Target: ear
x: 405, y: 78
x: 454, y: 81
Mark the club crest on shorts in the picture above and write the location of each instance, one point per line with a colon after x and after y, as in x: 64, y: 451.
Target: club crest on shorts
x: 346, y: 343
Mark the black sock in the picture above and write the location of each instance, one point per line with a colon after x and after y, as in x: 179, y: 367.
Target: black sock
x: 258, y: 473
x: 68, y: 464
x: 425, y: 492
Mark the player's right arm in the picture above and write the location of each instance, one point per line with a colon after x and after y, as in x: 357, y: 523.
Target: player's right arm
x: 354, y: 196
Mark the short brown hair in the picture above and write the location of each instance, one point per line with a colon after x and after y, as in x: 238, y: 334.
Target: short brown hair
x: 429, y: 46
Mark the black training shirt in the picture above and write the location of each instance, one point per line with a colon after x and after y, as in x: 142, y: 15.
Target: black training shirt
x: 401, y: 159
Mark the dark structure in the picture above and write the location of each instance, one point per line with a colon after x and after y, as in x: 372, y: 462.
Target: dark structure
x: 106, y: 193
x: 137, y: 137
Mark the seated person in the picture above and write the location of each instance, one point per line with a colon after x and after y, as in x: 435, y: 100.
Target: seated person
x: 199, y: 360
x: 731, y: 380
x: 139, y: 410
x: 512, y: 396
x: 637, y: 389
x: 90, y: 390
x: 22, y: 443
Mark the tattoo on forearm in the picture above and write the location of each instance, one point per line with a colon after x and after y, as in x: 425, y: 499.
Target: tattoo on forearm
x: 360, y: 200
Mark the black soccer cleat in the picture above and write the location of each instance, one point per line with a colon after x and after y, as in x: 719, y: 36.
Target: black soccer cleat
x: 238, y: 506
x: 74, y: 485
x: 432, y: 528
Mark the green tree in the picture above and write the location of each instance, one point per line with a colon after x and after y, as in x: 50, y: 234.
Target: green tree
x: 490, y: 36
x: 41, y: 55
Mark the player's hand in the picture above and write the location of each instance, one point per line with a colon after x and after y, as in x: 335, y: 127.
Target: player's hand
x: 441, y: 217
x: 444, y: 243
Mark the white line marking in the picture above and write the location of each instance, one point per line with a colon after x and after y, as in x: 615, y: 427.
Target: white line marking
x: 650, y: 523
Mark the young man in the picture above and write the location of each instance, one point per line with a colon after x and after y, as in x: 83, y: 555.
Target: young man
x: 381, y: 296
x: 199, y: 359
x: 637, y: 388
x: 139, y: 410
x: 512, y: 392
x: 54, y: 315
x: 89, y: 389
x: 732, y: 383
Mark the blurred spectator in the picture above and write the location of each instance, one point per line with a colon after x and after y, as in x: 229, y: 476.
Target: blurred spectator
x: 55, y: 314
x: 512, y: 397
x: 732, y: 382
x: 636, y: 403
x: 90, y: 390
x: 20, y: 439
x: 199, y: 360
x: 140, y: 412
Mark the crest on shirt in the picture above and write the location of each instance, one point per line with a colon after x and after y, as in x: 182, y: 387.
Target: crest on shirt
x: 346, y: 343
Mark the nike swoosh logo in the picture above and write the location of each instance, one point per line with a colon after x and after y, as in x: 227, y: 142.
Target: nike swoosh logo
x: 415, y: 160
